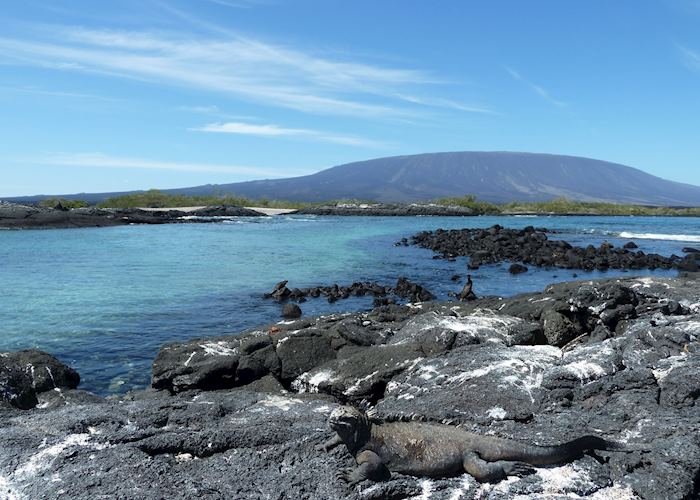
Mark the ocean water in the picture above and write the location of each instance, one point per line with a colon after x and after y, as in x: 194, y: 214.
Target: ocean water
x: 104, y: 300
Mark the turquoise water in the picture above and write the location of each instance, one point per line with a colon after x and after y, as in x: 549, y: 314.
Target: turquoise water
x: 104, y: 300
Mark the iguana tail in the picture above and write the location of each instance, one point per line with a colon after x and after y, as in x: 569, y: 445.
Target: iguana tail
x: 565, y: 452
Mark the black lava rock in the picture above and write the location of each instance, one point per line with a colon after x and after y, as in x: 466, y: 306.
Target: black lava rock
x: 517, y: 269
x: 291, y: 311
x: 532, y: 246
x: 257, y: 403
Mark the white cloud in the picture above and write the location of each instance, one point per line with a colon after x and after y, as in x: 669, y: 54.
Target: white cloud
x: 277, y: 131
x: 99, y: 160
x: 445, y: 103
x: 240, y: 4
x: 270, y: 74
x: 207, y: 110
x: 544, y: 94
x: 57, y: 93
x: 214, y: 111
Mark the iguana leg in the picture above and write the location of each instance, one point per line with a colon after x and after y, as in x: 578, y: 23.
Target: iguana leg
x: 484, y: 471
x: 370, y: 466
x: 330, y: 444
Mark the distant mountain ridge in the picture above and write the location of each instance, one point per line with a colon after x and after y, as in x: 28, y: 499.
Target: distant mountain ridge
x: 492, y: 176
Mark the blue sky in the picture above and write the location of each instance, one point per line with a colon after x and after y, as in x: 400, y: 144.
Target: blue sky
x: 136, y: 94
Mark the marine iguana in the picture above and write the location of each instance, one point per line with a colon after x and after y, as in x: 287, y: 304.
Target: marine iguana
x: 438, y: 450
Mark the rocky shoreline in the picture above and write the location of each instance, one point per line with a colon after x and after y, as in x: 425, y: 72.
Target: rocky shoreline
x: 532, y: 246
x: 389, y: 209
x: 14, y: 216
x: 240, y: 416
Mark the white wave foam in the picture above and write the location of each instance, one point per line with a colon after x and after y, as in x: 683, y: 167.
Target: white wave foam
x: 659, y: 236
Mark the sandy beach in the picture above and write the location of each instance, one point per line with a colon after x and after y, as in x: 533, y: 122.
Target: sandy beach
x: 263, y: 210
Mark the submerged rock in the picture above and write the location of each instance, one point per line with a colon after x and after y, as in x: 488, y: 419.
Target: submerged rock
x: 517, y: 269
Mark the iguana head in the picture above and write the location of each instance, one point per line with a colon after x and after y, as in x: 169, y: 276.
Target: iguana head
x: 351, y: 424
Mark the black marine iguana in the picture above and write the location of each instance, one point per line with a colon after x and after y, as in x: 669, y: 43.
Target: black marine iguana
x: 438, y: 450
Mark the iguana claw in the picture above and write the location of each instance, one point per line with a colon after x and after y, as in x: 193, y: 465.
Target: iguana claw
x: 347, y: 476
x: 518, y: 469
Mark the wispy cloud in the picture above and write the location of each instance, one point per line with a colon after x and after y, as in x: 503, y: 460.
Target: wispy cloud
x: 57, y: 93
x: 544, y: 94
x: 247, y: 68
x: 445, y: 103
x: 691, y: 58
x: 207, y: 110
x: 99, y: 160
x: 214, y: 111
x: 240, y: 4
x: 277, y: 131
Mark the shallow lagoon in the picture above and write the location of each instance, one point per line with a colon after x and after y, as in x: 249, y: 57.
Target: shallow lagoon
x: 104, y: 300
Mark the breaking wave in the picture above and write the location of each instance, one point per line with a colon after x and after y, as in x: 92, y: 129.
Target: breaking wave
x: 659, y: 236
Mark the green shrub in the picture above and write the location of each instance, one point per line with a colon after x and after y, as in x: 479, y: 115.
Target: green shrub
x: 470, y: 201
x: 155, y: 198
x: 53, y: 202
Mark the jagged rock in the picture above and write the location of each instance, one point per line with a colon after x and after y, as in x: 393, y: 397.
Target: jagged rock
x: 25, y: 374
x: 532, y: 246
x: 302, y: 352
x: 558, y: 329
x: 204, y: 364
x: 291, y: 311
x: 45, y: 371
x: 403, y: 289
x: 363, y: 375
x: 16, y: 387
x: 679, y: 380
x: 258, y: 364
x: 412, y: 291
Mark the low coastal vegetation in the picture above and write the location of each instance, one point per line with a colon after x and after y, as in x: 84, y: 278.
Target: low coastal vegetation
x: 564, y: 206
x: 62, y: 202
x: 155, y: 198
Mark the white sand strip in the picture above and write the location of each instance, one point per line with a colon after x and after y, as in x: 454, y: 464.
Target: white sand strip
x: 263, y: 210
x: 166, y: 209
x: 273, y: 211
